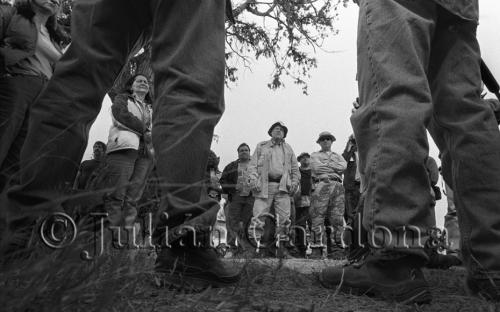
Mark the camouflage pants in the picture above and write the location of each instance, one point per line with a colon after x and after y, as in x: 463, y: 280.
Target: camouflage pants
x: 327, y: 205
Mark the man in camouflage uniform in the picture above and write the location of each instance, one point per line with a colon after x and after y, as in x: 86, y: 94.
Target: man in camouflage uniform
x: 328, y: 196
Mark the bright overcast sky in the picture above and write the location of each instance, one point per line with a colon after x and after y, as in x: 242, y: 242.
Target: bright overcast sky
x: 251, y: 107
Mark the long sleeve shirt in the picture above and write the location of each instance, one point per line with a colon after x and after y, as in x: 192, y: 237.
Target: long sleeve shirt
x: 260, y: 164
x: 276, y: 161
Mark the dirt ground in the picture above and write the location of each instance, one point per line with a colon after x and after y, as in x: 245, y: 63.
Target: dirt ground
x: 291, y: 285
x: 56, y: 283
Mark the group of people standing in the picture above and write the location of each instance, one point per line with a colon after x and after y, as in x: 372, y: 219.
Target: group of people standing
x: 418, y: 70
x: 269, y: 188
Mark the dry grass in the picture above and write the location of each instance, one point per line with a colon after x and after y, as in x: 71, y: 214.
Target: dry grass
x: 60, y: 281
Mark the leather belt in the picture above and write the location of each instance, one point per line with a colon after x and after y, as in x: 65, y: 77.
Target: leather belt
x: 336, y: 179
x: 275, y: 180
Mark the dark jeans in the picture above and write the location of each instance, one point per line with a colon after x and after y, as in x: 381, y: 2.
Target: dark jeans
x: 188, y: 38
x: 125, y: 179
x: 17, y: 94
x: 351, y: 202
x: 419, y: 67
x: 300, y: 225
x: 238, y: 214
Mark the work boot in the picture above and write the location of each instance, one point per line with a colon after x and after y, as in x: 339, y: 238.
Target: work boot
x: 487, y: 289
x: 194, y: 269
x: 399, y: 279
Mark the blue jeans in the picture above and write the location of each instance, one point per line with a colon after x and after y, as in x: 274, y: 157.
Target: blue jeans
x: 126, y: 177
x: 17, y: 94
x: 188, y: 39
x: 238, y: 214
x: 418, y: 69
x: 451, y: 222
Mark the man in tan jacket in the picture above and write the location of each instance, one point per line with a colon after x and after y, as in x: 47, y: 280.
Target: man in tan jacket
x: 274, y: 175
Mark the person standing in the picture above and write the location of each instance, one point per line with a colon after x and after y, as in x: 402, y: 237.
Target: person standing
x: 328, y: 198
x: 187, y: 39
x: 418, y: 68
x: 30, y: 45
x: 303, y: 203
x: 274, y: 176
x: 89, y: 167
x: 235, y: 183
x: 129, y: 152
x: 351, y: 180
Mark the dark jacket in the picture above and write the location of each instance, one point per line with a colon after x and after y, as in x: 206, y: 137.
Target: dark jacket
x: 18, y: 36
x: 229, y: 178
x: 305, y: 181
x: 350, y: 172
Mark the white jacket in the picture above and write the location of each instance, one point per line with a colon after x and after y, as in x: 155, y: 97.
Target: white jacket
x: 131, y: 119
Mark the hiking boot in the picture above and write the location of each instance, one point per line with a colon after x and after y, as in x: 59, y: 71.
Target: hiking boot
x: 194, y: 269
x: 399, y: 279
x: 487, y: 289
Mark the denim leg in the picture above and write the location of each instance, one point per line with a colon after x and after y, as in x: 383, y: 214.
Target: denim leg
x: 451, y: 222
x: 466, y: 132
x: 17, y: 94
x: 104, y: 33
x: 351, y: 202
x: 188, y: 63
x: 118, y: 175
x: 394, y: 40
x: 232, y: 211
x: 245, y: 218
x: 302, y: 215
x: 135, y: 188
